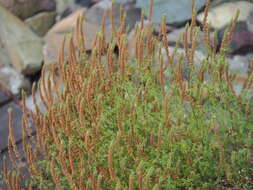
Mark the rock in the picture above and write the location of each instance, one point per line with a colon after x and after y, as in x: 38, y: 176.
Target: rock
x: 126, y: 1
x: 61, y: 6
x: 22, y: 164
x: 85, y: 3
x: 65, y: 8
x: 24, y: 48
x: 4, y: 58
x: 27, y: 8
x: 177, y: 12
x: 95, y: 14
x: 240, y: 65
x: 198, y: 58
x: 30, y: 105
x: 215, y: 3
x: 17, y: 124
x: 13, y: 81
x: 10, y: 79
x: 41, y: 22
x: 3, y: 98
x: 55, y: 36
x: 250, y: 21
x: 241, y: 41
x: 177, y: 36
x: 5, y: 159
x: 221, y: 15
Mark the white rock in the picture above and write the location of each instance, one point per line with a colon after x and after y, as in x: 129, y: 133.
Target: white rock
x: 24, y: 47
x: 12, y: 80
x: 221, y: 15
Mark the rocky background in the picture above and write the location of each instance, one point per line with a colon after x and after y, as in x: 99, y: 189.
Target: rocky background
x: 31, y: 32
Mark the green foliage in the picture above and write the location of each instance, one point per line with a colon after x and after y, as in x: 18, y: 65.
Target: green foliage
x: 161, y: 140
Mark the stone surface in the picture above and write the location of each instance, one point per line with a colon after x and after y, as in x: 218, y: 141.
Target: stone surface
x: 221, y: 15
x: 250, y: 21
x: 26, y: 8
x: 21, y: 163
x: 4, y: 58
x: 198, y: 58
x: 240, y: 65
x: 41, y: 22
x: 10, y: 79
x: 241, y: 41
x: 66, y: 7
x: 61, y: 6
x: 13, y: 81
x: 177, y: 12
x: 215, y: 3
x: 3, y: 98
x: 17, y: 124
x: 23, y: 46
x: 95, y: 14
x: 85, y: 3
x: 30, y: 105
x: 126, y: 1
x: 55, y: 36
x: 177, y: 36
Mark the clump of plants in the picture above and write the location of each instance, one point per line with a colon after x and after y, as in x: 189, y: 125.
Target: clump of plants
x: 155, y: 120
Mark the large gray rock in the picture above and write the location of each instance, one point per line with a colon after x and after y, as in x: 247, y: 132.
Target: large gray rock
x: 241, y: 41
x: 240, y: 65
x: 41, y: 22
x: 250, y: 21
x: 3, y: 98
x: 215, y: 3
x: 17, y: 124
x: 26, y: 8
x: 10, y: 79
x: 61, y: 6
x: 55, y: 36
x: 85, y: 3
x: 13, y: 81
x: 24, y: 47
x: 176, y: 12
x: 22, y: 165
x: 220, y: 16
x: 95, y: 14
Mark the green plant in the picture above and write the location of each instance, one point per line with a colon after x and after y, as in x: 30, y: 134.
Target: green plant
x: 143, y: 121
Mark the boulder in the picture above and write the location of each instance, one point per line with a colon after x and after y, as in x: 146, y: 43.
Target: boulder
x: 13, y: 81
x: 95, y: 14
x: 177, y: 36
x: 23, y: 46
x: 220, y: 16
x: 240, y: 65
x: 54, y: 38
x: 241, y: 41
x: 41, y: 22
x: 65, y: 8
x: 22, y: 164
x: 62, y: 6
x: 177, y: 12
x: 27, y: 8
x: 4, y: 98
x: 250, y: 21
x: 17, y: 124
x: 10, y: 79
